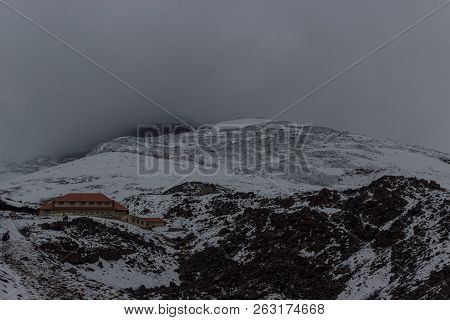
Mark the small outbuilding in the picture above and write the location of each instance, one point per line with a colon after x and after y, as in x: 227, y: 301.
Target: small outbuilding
x: 146, y: 222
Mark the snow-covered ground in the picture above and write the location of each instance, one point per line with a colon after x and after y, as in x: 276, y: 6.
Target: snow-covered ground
x: 11, y: 287
x: 200, y: 221
x: 11, y: 284
x: 31, y: 254
x: 334, y: 160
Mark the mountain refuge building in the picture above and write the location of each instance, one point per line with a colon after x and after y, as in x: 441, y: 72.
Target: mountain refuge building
x: 95, y: 205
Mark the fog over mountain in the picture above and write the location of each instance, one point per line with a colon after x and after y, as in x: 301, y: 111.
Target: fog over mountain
x: 209, y: 61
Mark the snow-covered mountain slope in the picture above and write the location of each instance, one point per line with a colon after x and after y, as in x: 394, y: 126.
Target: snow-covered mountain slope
x: 81, y: 259
x: 387, y: 240
x: 114, y: 174
x: 12, y: 286
x: 6, y: 173
x: 328, y: 158
x: 10, y: 170
x: 363, y: 221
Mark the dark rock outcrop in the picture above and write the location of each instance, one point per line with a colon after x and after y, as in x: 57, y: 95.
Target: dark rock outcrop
x: 276, y: 249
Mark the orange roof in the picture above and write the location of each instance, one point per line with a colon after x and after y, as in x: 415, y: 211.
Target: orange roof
x: 48, y: 205
x: 119, y: 207
x: 84, y: 197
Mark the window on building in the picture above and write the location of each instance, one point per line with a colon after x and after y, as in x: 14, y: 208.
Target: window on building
x: 61, y: 203
x: 72, y: 203
x: 91, y: 203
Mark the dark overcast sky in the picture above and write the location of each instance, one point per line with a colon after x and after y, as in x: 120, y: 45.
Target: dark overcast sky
x: 210, y: 60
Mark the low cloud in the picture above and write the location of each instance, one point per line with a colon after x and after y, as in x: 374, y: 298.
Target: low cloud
x: 209, y: 61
